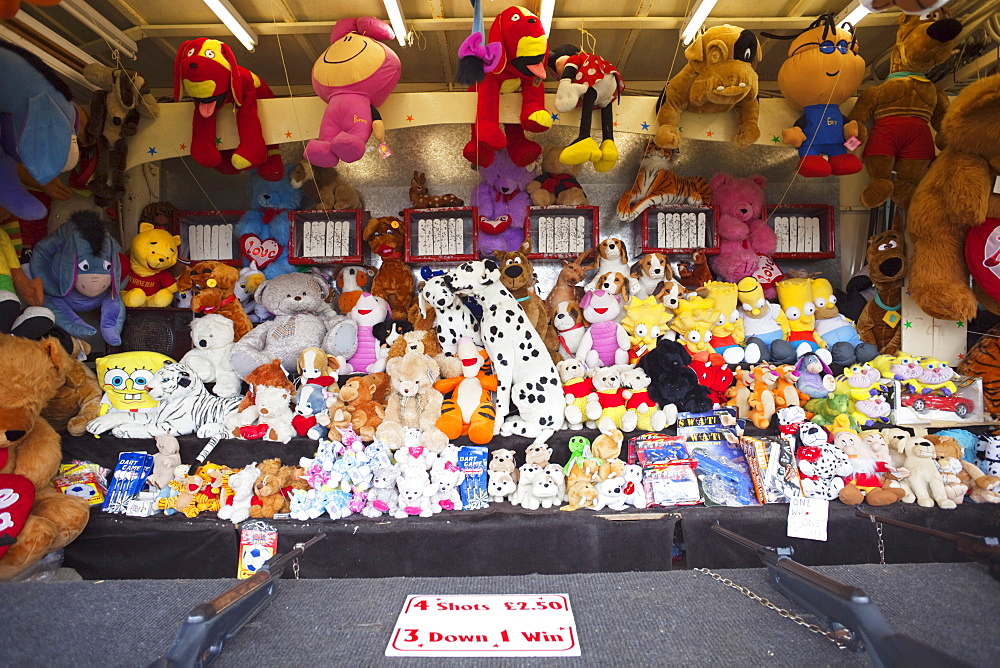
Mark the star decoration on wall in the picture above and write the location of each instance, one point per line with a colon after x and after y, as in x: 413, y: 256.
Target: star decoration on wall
x: 961, y: 356
x: 288, y: 135
x: 183, y: 147
x: 555, y: 117
x: 709, y: 133
x: 908, y: 324
x: 152, y: 150
x: 218, y: 140
x: 409, y: 119
x: 960, y: 323
x: 614, y: 124
x: 645, y: 125
x: 776, y: 139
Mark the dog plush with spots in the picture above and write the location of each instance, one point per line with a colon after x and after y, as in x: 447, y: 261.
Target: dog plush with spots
x: 527, y: 377
x: 452, y: 318
x: 518, y: 275
x: 611, y: 256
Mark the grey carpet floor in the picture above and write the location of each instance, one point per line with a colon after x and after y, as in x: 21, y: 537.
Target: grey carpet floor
x: 672, y: 618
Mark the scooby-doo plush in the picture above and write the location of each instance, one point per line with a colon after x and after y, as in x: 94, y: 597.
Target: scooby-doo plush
x: 30, y: 453
x: 211, y: 284
x: 954, y: 205
x: 879, y: 321
x: 393, y: 281
x: 722, y: 58
x: 518, y: 275
x: 903, y: 106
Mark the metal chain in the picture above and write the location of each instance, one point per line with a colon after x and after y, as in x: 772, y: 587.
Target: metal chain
x: 836, y: 637
x: 881, y: 542
x: 295, y: 567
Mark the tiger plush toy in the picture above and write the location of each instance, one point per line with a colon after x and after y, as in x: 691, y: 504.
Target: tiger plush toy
x: 468, y: 407
x: 983, y: 361
x: 656, y: 185
x: 185, y: 407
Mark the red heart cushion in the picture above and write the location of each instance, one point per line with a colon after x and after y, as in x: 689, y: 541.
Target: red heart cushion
x: 17, y: 495
x: 253, y: 431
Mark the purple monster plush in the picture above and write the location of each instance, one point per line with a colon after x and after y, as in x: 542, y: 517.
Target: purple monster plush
x: 502, y: 203
x: 354, y: 75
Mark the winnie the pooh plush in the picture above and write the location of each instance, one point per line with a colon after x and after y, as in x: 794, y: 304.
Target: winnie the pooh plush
x: 904, y: 108
x: 152, y: 252
x: 30, y: 454
x: 954, y: 204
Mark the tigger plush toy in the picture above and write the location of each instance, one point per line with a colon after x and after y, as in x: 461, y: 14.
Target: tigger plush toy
x: 206, y: 70
x: 468, y: 408
x: 513, y: 58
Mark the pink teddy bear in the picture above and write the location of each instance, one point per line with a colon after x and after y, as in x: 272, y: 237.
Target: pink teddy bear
x: 744, y: 234
x: 353, y: 76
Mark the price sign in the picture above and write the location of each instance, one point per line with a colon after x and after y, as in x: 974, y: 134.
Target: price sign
x: 807, y: 518
x: 485, y: 625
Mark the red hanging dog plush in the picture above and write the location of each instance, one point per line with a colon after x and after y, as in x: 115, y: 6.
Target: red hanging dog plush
x: 520, y: 65
x: 208, y: 72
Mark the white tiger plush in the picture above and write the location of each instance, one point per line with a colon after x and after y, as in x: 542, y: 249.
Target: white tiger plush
x: 185, y: 407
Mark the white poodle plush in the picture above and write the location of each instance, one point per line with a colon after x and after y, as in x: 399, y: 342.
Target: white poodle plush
x: 212, y: 338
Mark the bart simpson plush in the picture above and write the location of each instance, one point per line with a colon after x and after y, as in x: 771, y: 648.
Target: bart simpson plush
x: 795, y: 297
x: 823, y: 70
x: 152, y: 252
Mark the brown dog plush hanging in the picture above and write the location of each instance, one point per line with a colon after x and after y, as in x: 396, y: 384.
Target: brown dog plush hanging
x: 719, y: 76
x: 904, y: 107
x: 393, y: 281
x: 879, y: 321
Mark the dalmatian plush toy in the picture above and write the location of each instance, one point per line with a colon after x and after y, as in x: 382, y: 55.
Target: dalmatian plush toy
x: 517, y: 352
x: 988, y: 451
x: 453, y: 319
x: 822, y: 464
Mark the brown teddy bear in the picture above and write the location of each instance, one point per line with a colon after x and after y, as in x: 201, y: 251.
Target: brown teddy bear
x: 982, y: 488
x: 557, y: 182
x: 78, y: 401
x: 33, y: 373
x: 954, y: 212
x: 719, y: 76
x: 366, y: 413
x: 211, y: 284
x: 268, y: 494
x: 426, y: 342
x: 904, y: 107
x: 413, y: 402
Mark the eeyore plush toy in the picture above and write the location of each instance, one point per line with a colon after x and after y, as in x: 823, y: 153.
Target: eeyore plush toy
x: 80, y: 265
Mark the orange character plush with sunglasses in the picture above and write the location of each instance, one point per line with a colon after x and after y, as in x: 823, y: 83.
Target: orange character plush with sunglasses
x: 823, y: 70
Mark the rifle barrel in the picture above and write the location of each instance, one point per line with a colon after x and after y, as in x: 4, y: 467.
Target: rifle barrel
x: 742, y: 540
x: 906, y: 525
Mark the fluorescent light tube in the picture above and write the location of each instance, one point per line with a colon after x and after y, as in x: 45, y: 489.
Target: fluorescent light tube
x: 236, y: 24
x: 103, y: 27
x: 396, y: 20
x: 698, y: 16
x: 853, y: 14
x: 545, y: 14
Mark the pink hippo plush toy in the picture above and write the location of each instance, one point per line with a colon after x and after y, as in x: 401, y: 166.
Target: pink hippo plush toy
x: 605, y: 343
x: 369, y: 311
x: 746, y: 241
x: 354, y: 75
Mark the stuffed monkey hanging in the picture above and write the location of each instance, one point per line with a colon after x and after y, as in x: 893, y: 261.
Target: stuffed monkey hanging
x: 587, y: 80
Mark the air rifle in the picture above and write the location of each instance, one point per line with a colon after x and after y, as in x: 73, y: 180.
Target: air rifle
x: 846, y: 610
x: 210, y: 625
x: 982, y: 549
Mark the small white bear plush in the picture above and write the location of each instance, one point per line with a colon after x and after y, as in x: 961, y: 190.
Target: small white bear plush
x: 212, y: 341
x: 635, y: 494
x: 611, y: 494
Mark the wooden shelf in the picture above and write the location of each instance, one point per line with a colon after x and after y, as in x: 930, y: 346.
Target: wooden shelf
x: 432, y: 234
x: 325, y: 237
x: 817, y: 221
x: 679, y: 230
x: 573, y: 228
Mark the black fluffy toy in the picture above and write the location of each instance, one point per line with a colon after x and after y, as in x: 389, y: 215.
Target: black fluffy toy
x: 672, y: 381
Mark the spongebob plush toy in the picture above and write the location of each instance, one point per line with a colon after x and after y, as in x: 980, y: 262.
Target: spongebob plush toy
x: 795, y: 297
x: 694, y: 319
x: 645, y: 319
x: 124, y: 377
x: 153, y: 251
x: 727, y: 334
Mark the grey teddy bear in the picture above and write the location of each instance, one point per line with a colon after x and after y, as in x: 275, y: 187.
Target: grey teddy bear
x: 302, y: 319
x: 382, y: 497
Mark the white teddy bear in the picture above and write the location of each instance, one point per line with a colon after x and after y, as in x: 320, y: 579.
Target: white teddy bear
x: 635, y: 494
x: 212, y: 338
x: 611, y: 494
x: 414, y: 497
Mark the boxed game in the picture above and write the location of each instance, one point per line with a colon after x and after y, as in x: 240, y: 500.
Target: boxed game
x: 472, y: 461
x: 127, y: 481
x: 651, y: 447
x: 82, y: 479
x: 258, y: 543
